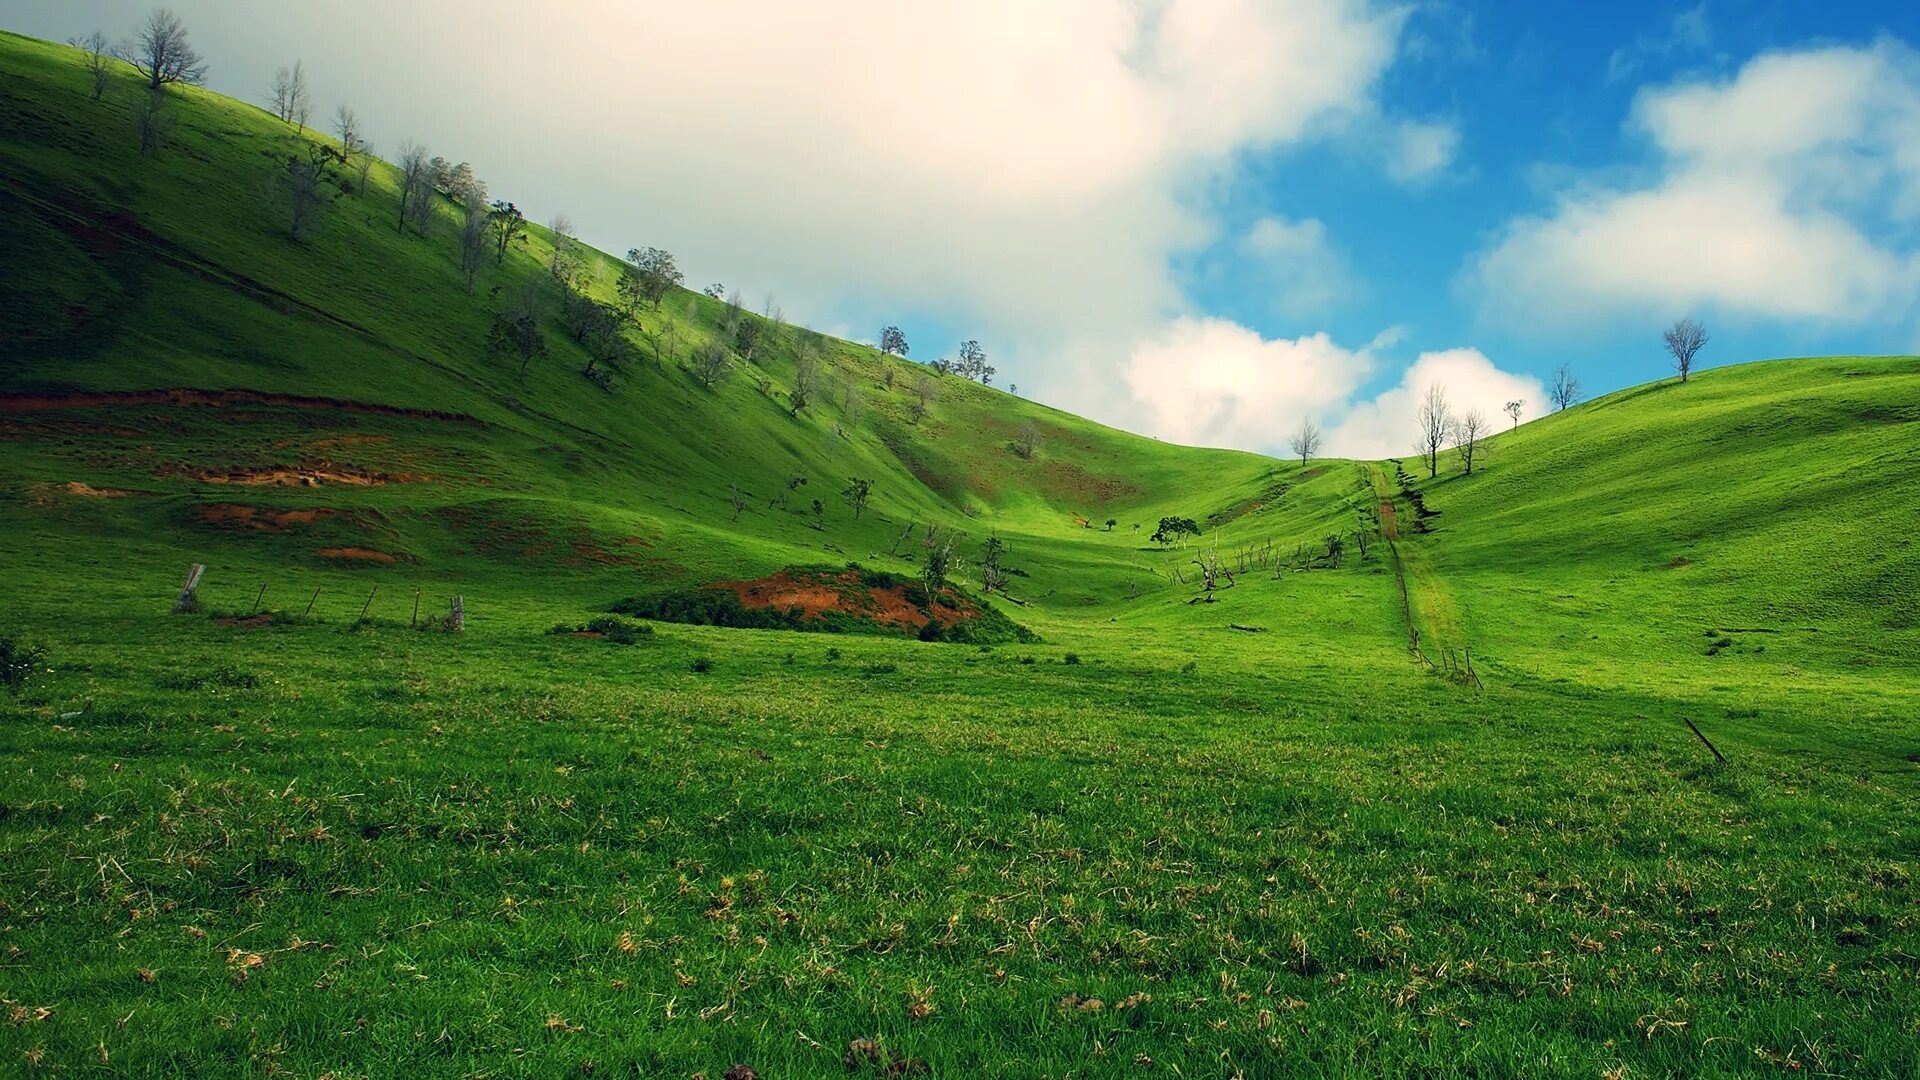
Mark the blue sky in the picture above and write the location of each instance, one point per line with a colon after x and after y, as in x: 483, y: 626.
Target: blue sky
x: 1200, y: 219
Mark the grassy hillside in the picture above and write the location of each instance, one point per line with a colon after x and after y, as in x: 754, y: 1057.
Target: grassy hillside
x: 1253, y: 837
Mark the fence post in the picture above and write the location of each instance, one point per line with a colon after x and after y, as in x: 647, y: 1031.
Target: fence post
x: 459, y: 615
x: 189, y: 601
x: 309, y: 611
x: 415, y: 620
x: 369, y: 604
x: 261, y: 595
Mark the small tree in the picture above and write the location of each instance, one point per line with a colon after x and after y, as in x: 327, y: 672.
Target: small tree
x: 710, y: 364
x: 973, y: 363
x: 465, y: 187
x: 1028, y: 442
x: 96, y: 57
x: 506, y: 222
x: 305, y: 172
x: 806, y: 378
x: 516, y: 332
x: 416, y: 187
x: 1467, y: 435
x: 1336, y: 547
x: 892, y: 341
x: 475, y: 243
x: 568, y: 262
x: 1306, y: 441
x: 1435, y: 423
x: 739, y: 498
x: 856, y: 493
x: 1564, y: 390
x: 292, y: 97
x: 1685, y: 338
x: 938, y: 544
x: 714, y: 291
x: 922, y: 397
x: 784, y: 498
x: 1513, y: 409
x: 1172, y: 529
x: 819, y: 516
x: 161, y: 53
x: 992, y: 577
x: 346, y: 126
x: 152, y: 122
x: 1111, y: 522
x: 647, y: 276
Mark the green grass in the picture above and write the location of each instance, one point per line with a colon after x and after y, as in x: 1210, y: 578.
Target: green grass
x: 321, y: 845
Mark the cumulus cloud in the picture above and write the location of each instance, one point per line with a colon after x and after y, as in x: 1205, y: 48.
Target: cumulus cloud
x: 1770, y: 192
x: 1212, y: 382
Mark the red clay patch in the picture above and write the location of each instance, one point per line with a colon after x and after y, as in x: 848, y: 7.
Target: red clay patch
x: 26, y: 403
x: 311, y: 474
x: 810, y: 595
x: 75, y: 487
x: 259, y: 518
x: 358, y: 554
x: 251, y: 622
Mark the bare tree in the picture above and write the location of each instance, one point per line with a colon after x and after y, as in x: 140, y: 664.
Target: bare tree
x: 516, y: 329
x: 475, y: 241
x: 347, y: 126
x: 1564, y: 390
x: 152, y: 121
x: 161, y: 53
x: 806, y: 377
x: 1306, y: 441
x: 922, y: 397
x: 362, y: 166
x: 568, y: 262
x: 1435, y: 423
x: 1514, y: 409
x: 292, y: 97
x: 1685, y: 338
x: 1028, y: 442
x: 1467, y: 433
x: 739, y: 497
x: 892, y: 341
x: 97, y: 58
x: 416, y: 189
x: 306, y: 199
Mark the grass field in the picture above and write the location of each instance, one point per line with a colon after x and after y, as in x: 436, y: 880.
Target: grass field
x: 1151, y: 843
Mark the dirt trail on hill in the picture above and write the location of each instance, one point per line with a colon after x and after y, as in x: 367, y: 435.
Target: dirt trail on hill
x: 1389, y: 522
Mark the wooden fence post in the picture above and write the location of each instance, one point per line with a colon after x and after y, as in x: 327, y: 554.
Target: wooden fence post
x: 189, y: 601
x: 369, y: 604
x: 459, y: 616
x: 261, y: 595
x: 309, y: 611
x: 415, y: 620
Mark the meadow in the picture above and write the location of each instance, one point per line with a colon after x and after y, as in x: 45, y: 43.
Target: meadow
x: 1257, y: 836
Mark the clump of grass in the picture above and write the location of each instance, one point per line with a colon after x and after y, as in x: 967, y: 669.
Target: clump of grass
x: 1070, y: 658
x: 615, y: 630
x: 222, y: 677
x: 885, y: 668
x: 18, y: 659
x: 701, y: 666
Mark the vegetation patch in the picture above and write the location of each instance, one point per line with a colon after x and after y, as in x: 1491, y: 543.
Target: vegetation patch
x: 850, y: 600
x: 610, y: 628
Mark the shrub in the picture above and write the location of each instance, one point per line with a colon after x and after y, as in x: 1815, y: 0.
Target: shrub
x: 701, y: 666
x: 880, y: 669
x: 1070, y: 658
x: 619, y: 631
x: 17, y: 661
x: 833, y: 654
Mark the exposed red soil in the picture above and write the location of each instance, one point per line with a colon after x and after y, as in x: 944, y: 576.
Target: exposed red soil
x: 310, y: 474
x: 75, y: 487
x: 358, y: 554
x: 586, y: 634
x: 217, y: 399
x: 808, y: 595
x: 260, y: 518
x: 251, y: 622
x: 1389, y: 523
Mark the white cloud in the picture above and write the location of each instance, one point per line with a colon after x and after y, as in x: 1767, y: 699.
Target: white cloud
x: 1384, y: 426
x: 1420, y: 150
x: 1768, y: 199
x: 1211, y: 382
x: 1296, y: 264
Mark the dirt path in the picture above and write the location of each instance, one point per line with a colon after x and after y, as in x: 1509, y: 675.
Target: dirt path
x: 1433, y: 622
x: 1389, y: 521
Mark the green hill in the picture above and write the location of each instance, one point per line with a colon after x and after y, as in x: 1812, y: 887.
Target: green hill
x: 1429, y: 808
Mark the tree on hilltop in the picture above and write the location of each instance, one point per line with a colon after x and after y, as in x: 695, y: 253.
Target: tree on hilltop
x: 161, y: 53
x: 1684, y: 339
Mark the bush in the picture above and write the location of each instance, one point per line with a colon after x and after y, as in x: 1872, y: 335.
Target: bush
x: 619, y: 631
x: 701, y: 666
x: 1070, y: 658
x: 880, y: 669
x: 17, y: 661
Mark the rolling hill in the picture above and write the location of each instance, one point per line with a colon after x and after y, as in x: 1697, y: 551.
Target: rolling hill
x: 1278, y: 831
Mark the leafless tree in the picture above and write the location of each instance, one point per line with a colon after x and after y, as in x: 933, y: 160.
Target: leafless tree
x: 1564, y: 390
x: 711, y: 365
x: 739, y: 498
x: 806, y: 377
x: 851, y: 402
x: 161, y: 53
x: 1467, y: 433
x: 1685, y: 338
x: 416, y: 190
x: 292, y: 97
x: 1028, y: 442
x: 98, y: 59
x: 569, y: 259
x: 152, y: 121
x: 362, y: 165
x: 1306, y: 441
x: 1514, y: 409
x: 922, y: 397
x: 476, y: 242
x: 1435, y: 422
x: 347, y: 127
x: 465, y: 186
x: 306, y: 199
